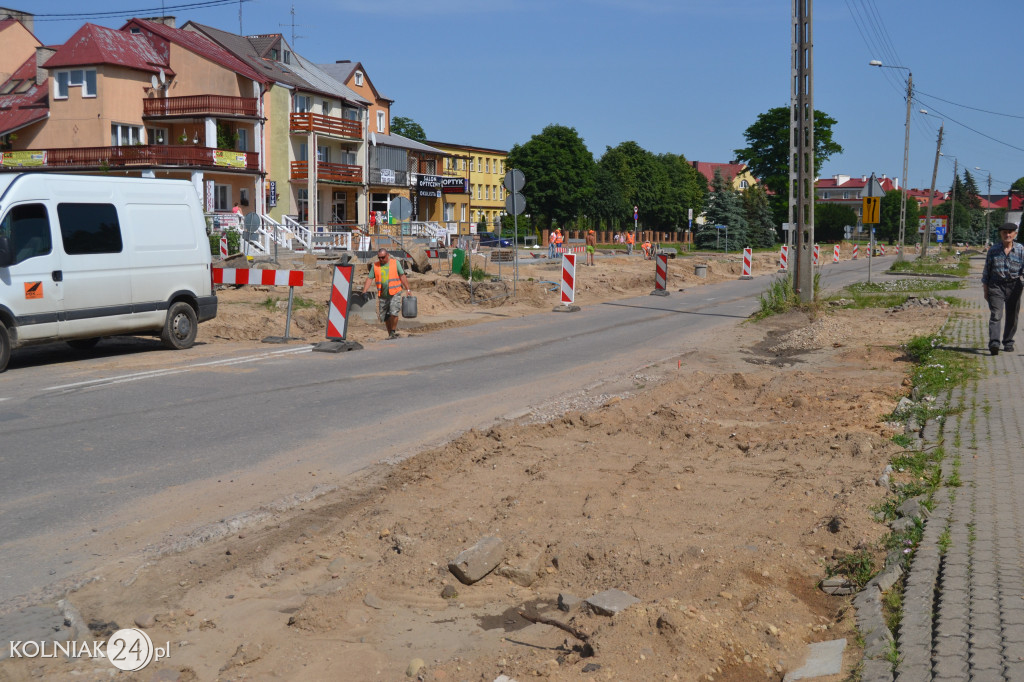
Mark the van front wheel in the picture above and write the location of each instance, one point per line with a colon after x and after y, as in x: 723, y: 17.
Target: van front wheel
x: 5, y: 346
x: 180, y: 328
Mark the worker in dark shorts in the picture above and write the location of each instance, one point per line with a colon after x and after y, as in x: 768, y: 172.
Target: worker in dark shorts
x: 388, y: 275
x: 1001, y: 285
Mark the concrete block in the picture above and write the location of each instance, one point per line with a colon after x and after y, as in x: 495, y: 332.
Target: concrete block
x: 823, y: 658
x: 610, y: 602
x: 479, y: 560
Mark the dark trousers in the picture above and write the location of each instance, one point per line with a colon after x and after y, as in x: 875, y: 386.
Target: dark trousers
x: 1003, y: 297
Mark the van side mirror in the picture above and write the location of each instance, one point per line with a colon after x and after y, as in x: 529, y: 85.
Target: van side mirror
x: 5, y: 252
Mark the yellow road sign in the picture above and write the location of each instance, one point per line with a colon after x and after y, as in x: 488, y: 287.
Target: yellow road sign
x: 869, y: 215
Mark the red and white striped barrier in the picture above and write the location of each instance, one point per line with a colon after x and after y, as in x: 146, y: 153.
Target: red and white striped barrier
x: 881, y: 249
x: 817, y: 254
x: 341, y: 293
x: 660, y: 275
x: 568, y: 278
x: 835, y: 253
x: 896, y: 249
x: 748, y: 257
x: 783, y: 258
x: 855, y: 251
x: 433, y: 253
x: 562, y: 250
x: 275, y: 278
x: 224, y: 247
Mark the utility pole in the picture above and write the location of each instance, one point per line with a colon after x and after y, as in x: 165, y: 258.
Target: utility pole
x: 802, y: 157
x: 952, y: 213
x: 931, y: 196
x: 906, y: 153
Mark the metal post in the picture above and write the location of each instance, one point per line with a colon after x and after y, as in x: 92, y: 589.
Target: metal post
x: 931, y: 196
x: 288, y: 318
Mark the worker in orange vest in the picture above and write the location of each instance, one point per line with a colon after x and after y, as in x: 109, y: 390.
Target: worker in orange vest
x: 647, y: 249
x: 388, y: 275
x: 630, y: 241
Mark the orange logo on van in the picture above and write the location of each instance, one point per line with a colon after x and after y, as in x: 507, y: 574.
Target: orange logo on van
x: 33, y: 290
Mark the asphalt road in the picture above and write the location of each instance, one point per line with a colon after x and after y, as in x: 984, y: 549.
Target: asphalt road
x: 91, y: 459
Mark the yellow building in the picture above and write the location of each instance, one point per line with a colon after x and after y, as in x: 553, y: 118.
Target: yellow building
x: 484, y: 169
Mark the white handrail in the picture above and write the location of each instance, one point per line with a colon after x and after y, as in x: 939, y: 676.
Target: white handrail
x: 299, y: 231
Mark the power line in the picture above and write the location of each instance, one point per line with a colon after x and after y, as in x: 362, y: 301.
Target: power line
x: 965, y: 106
x: 79, y: 16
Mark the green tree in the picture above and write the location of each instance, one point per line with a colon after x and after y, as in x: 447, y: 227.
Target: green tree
x: 767, y: 153
x: 831, y: 220
x: 759, y: 216
x: 687, y: 189
x: 724, y: 207
x: 606, y: 203
x: 1018, y: 185
x: 888, y: 228
x: 559, y: 174
x: 642, y: 180
x: 406, y: 127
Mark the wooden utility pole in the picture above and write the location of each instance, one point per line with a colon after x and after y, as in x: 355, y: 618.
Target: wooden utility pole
x: 931, y: 196
x: 801, y: 169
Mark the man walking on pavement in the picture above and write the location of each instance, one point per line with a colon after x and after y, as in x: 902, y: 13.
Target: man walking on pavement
x: 1001, y: 285
x: 390, y: 279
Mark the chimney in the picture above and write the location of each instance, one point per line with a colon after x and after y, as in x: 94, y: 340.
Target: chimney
x: 27, y: 20
x: 864, y: 178
x: 343, y: 61
x: 43, y: 55
x: 166, y: 21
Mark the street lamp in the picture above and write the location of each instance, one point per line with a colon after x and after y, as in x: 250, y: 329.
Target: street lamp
x: 988, y: 200
x: 906, y: 150
x: 931, y: 192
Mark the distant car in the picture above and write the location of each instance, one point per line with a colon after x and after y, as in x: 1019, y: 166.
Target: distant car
x: 491, y: 239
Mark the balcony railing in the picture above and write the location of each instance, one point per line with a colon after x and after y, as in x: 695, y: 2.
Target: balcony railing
x: 141, y: 156
x: 379, y: 176
x: 328, y: 172
x: 200, y: 105
x: 326, y: 125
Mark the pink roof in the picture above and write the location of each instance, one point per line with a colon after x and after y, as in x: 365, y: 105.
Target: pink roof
x: 22, y: 109
x: 199, y: 44
x: 94, y: 44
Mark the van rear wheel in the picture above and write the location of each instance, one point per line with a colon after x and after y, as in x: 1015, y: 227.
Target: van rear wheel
x: 180, y: 329
x: 5, y: 346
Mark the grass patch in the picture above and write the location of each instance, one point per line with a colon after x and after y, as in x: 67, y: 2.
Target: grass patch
x: 933, y: 265
x: 298, y: 302
x: 938, y: 368
x: 857, y: 567
x: 905, y: 286
x: 780, y: 296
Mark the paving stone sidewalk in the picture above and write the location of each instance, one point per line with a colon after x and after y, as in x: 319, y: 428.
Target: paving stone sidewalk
x: 963, y: 608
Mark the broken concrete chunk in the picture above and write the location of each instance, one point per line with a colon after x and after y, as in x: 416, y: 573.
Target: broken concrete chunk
x: 525, y: 571
x: 610, y: 602
x: 567, y: 602
x: 837, y: 586
x: 479, y: 560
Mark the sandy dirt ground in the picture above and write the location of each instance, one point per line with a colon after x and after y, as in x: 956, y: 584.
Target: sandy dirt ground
x: 714, y: 488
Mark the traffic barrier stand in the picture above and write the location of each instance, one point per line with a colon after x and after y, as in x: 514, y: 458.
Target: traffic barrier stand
x: 855, y: 250
x: 274, y: 278
x: 748, y: 256
x: 337, y: 313
x: 568, y: 287
x: 562, y: 250
x: 835, y: 253
x: 784, y: 258
x: 881, y: 249
x: 817, y: 253
x: 660, y: 275
x: 223, y: 247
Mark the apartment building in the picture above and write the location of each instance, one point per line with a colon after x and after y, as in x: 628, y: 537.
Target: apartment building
x: 484, y: 170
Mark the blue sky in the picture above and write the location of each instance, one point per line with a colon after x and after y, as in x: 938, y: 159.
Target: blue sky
x: 680, y: 76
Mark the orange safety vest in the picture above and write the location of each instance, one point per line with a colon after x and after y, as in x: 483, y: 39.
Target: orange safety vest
x: 384, y: 274
x: 630, y: 239
x: 558, y: 238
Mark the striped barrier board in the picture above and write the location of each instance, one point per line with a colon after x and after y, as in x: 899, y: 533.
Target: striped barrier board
x: 784, y: 258
x: 661, y: 272
x: 276, y: 278
x: 748, y: 256
x: 881, y: 249
x: 224, y: 247
x: 341, y: 293
x: 568, y: 249
x: 835, y: 253
x: 568, y: 278
x: 433, y: 253
x: 817, y: 253
x: 855, y: 250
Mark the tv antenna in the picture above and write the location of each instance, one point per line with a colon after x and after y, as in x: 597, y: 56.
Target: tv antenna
x: 293, y: 25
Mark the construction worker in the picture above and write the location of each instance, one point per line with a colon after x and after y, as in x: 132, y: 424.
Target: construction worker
x: 591, y: 242
x: 646, y: 246
x: 630, y: 241
x: 552, y: 242
x: 388, y: 275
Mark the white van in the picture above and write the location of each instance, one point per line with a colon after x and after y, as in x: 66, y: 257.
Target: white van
x: 83, y: 257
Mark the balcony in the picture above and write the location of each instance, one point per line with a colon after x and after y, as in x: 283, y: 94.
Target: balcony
x: 192, y: 106
x: 326, y: 125
x: 140, y: 157
x: 328, y: 172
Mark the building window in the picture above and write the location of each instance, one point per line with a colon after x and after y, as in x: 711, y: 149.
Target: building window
x: 744, y: 184
x: 302, y: 204
x: 359, y: 78
x: 463, y: 218
x: 243, y: 140
x: 824, y: 195
x: 302, y: 104
x: 156, y: 136
x: 846, y: 195
x: 487, y: 192
x: 75, y: 78
x: 287, y: 57
x: 273, y: 53
x: 325, y: 106
x: 323, y: 154
x: 381, y: 121
x: 472, y: 164
x: 449, y: 212
x: 124, y: 135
